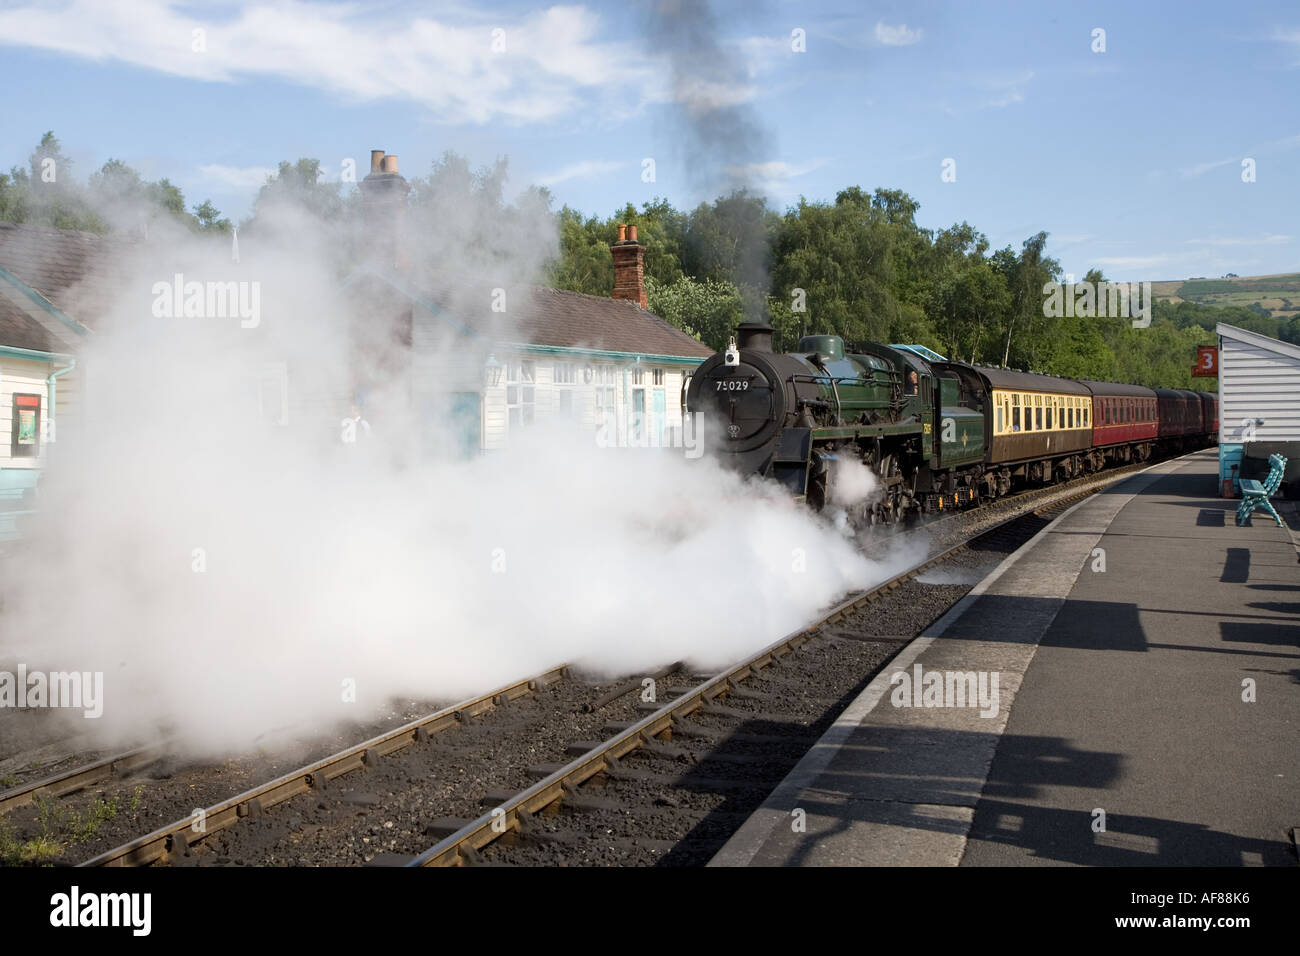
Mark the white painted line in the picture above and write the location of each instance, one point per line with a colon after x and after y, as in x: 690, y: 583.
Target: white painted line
x: 754, y: 833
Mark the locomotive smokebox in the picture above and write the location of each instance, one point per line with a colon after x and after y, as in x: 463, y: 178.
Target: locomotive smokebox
x: 754, y: 336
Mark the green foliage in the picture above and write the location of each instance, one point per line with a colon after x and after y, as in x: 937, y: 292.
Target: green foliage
x: 297, y: 185
x: 860, y: 266
x: 707, y: 309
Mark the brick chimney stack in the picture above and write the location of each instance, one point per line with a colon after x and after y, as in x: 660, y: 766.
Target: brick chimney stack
x: 383, y: 205
x: 629, y: 267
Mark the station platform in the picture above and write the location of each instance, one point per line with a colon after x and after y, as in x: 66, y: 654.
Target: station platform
x: 1147, y: 658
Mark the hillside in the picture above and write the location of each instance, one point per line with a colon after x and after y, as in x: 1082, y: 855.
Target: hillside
x: 1277, y: 296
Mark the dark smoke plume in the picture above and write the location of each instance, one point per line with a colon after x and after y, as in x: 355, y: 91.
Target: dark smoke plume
x: 715, y: 124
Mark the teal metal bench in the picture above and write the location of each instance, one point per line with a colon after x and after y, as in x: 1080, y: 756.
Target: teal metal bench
x: 1255, y: 495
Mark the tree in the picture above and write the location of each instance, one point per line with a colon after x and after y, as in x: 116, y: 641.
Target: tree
x: 209, y: 218
x: 706, y: 309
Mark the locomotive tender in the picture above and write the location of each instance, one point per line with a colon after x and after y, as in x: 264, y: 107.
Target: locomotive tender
x: 938, y: 434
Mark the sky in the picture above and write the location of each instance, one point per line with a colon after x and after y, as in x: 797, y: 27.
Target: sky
x: 1126, y: 146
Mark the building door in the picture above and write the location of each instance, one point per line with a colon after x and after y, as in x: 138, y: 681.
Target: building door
x: 638, y: 416
x: 466, y: 424
x: 451, y: 425
x: 657, y: 426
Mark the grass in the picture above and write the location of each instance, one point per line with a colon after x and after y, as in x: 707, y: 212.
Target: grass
x: 8, y: 780
x: 1279, y: 294
x: 60, y: 828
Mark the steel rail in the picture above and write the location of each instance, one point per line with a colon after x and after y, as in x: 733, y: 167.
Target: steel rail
x: 80, y: 777
x: 461, y: 847
x: 175, y: 838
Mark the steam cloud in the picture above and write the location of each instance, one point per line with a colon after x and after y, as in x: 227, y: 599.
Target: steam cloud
x: 228, y: 574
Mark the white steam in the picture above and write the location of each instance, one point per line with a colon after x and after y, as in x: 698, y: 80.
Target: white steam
x: 230, y: 574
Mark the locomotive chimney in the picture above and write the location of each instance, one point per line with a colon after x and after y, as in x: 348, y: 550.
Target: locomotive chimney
x: 754, y: 336
x: 383, y: 206
x: 629, y: 267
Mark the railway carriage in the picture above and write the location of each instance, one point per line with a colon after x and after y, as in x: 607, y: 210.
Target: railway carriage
x: 1209, y: 413
x: 1182, y: 417
x: 1126, y: 423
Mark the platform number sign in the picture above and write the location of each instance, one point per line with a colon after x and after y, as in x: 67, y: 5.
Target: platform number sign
x: 1207, y: 361
x: 25, y: 436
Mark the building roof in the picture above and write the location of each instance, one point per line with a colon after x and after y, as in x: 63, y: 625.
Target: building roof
x: 574, y: 320
x: 45, y: 275
x: 1226, y: 331
x: 547, y: 318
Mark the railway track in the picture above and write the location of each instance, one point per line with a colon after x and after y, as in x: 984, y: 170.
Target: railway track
x: 511, y: 814
x: 79, y: 777
x: 522, y: 818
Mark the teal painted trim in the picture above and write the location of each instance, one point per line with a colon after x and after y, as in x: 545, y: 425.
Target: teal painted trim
x: 430, y: 307
x: 34, y: 355
x: 42, y: 302
x: 604, y: 353
x: 52, y: 401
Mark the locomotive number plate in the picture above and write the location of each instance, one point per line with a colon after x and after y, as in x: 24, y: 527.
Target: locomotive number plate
x: 733, y: 385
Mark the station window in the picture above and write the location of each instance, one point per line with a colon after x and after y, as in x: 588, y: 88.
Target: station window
x: 520, y: 392
x: 25, y: 433
x: 565, y: 374
x: 638, y: 376
x: 658, y: 376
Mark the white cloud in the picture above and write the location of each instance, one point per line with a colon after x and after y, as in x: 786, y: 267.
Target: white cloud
x: 239, y: 176
x: 587, y: 169
x: 1292, y: 37
x: 1131, y: 262
x: 900, y: 35
x: 1272, y: 239
x: 701, y: 96
x: 1191, y: 172
x: 772, y: 176
x: 553, y: 63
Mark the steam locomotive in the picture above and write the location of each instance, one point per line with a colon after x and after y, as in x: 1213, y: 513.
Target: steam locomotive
x: 937, y: 434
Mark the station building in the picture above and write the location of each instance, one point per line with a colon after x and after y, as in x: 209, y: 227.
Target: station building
x: 606, y: 364
x: 39, y: 341
x: 1259, y: 406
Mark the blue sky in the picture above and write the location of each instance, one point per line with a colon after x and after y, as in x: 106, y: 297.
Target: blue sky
x: 1130, y: 158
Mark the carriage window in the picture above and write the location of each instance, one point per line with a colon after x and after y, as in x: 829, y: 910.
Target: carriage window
x: 1015, y: 417
x: 1049, y: 416
x: 999, y: 428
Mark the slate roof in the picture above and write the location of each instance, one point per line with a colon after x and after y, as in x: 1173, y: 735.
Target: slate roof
x: 549, y: 317
x: 62, y: 265
x: 574, y: 320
